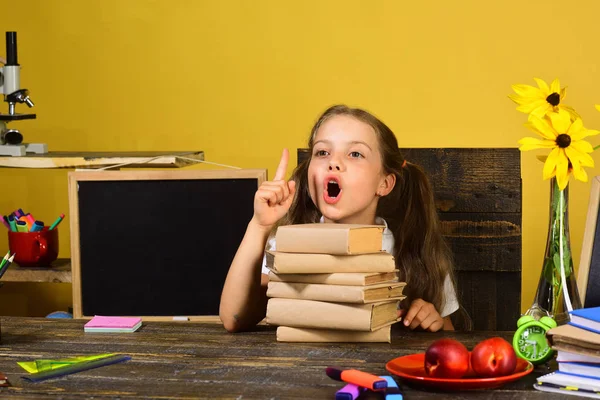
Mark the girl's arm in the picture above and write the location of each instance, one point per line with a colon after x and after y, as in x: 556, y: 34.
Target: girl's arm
x: 244, y: 295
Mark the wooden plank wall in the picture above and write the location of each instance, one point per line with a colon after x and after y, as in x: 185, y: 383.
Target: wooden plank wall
x: 478, y: 196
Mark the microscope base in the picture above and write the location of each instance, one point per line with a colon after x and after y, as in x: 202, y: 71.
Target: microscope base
x: 20, y: 150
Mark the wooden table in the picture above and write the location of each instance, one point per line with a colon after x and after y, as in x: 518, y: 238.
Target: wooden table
x: 183, y: 360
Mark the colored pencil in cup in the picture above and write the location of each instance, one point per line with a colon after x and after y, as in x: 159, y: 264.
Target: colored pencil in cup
x: 5, y: 259
x: 7, y: 264
x: 58, y: 221
x: 5, y: 222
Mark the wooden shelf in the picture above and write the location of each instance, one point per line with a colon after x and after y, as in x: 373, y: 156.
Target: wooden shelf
x: 82, y: 159
x: 58, y: 272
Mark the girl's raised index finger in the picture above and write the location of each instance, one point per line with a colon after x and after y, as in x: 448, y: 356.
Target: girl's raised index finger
x: 280, y: 173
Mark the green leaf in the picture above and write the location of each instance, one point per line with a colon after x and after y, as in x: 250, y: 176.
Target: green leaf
x: 557, y: 265
x: 548, y: 270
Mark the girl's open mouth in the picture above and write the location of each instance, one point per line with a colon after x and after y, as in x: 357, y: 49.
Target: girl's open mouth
x: 333, y: 190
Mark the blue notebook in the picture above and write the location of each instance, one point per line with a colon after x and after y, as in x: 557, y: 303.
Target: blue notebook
x: 586, y: 318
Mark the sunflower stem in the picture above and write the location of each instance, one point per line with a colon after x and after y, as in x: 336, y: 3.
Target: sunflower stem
x: 563, y: 278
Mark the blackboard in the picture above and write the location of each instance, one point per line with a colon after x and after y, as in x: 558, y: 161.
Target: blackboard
x: 156, y: 244
x: 588, y: 277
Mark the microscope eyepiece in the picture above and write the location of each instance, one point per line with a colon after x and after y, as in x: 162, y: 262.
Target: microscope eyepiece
x: 11, y: 49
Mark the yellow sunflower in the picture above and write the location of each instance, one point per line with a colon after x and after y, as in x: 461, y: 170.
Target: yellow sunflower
x: 565, y: 138
x: 542, y: 100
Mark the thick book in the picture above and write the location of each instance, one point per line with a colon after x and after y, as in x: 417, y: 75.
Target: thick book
x: 329, y: 238
x: 338, y: 278
x: 591, y: 370
x: 325, y: 315
x: 586, y: 318
x: 575, y: 340
x: 312, y: 263
x: 564, y: 381
x: 309, y: 335
x: 337, y: 293
x: 566, y: 356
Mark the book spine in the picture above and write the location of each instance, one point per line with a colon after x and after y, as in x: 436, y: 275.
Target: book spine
x: 308, y: 335
x: 348, y: 279
x: 309, y: 291
x: 313, y: 241
x: 318, y: 314
x: 294, y: 263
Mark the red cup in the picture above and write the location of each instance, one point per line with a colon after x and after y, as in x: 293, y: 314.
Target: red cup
x: 34, y: 249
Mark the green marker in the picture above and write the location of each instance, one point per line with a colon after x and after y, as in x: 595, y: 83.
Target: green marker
x: 12, y: 223
x: 22, y: 226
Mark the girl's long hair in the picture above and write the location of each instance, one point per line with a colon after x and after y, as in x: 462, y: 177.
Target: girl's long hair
x: 421, y: 253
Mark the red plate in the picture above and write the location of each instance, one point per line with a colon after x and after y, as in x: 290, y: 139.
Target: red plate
x: 411, y: 369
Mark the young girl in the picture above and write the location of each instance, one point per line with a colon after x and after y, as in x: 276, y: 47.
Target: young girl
x: 355, y: 174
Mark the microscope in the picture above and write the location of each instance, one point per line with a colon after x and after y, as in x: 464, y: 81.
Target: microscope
x: 11, y: 140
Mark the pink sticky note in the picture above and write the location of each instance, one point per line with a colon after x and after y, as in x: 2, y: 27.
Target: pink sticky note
x: 112, y: 322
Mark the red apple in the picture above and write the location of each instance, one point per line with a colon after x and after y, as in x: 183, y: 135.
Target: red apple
x: 493, y: 357
x: 446, y: 358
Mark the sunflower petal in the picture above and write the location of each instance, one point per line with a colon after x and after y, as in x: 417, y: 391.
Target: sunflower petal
x: 563, y: 94
x: 561, y: 121
x: 577, y: 158
x: 597, y: 107
x: 533, y: 106
x: 583, y: 158
x: 542, y: 85
x: 582, y: 146
x: 540, y: 109
x: 562, y: 170
x: 527, y: 91
x: 550, y: 164
x: 555, y: 86
x: 571, y: 110
x: 579, y: 173
x: 529, y: 143
x: 541, y: 127
x: 575, y: 127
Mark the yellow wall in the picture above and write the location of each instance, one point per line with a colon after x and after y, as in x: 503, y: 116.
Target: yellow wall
x: 242, y: 79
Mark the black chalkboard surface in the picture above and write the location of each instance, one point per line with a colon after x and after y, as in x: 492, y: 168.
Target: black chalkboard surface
x: 156, y: 244
x: 588, y: 277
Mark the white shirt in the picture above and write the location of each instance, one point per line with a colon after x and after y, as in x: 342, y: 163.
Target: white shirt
x: 387, y: 245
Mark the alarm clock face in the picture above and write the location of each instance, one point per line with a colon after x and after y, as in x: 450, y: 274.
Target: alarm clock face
x: 532, y: 343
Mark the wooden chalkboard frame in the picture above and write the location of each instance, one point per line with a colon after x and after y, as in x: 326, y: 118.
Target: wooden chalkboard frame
x: 590, y: 253
x: 78, y: 176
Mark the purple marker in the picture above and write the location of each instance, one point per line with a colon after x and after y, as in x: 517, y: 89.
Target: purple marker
x: 349, y: 392
x: 5, y: 222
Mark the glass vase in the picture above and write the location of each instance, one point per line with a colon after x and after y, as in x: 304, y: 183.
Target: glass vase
x: 557, y: 292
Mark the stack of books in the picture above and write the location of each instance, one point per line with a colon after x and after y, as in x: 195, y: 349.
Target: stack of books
x: 332, y: 283
x: 578, y: 355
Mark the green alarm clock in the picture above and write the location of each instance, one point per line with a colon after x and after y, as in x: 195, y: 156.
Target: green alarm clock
x: 530, y: 340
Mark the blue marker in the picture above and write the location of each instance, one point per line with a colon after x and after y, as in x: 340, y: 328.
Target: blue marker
x: 37, y: 226
x: 392, y: 392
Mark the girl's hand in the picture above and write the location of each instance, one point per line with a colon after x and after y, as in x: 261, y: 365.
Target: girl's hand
x: 274, y: 198
x: 422, y: 314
